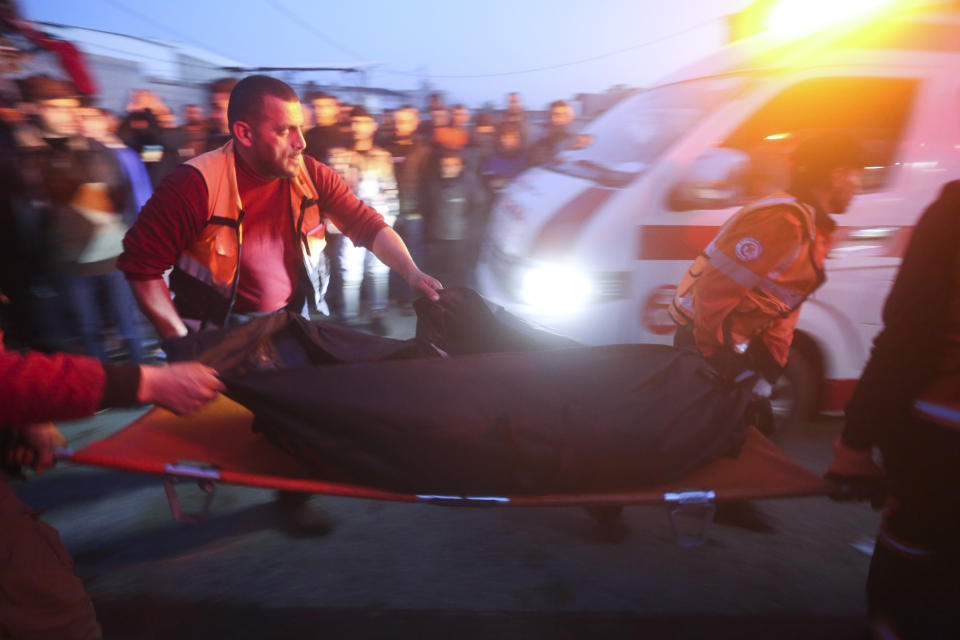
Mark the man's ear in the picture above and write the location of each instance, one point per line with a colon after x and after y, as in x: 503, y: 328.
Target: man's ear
x: 243, y: 133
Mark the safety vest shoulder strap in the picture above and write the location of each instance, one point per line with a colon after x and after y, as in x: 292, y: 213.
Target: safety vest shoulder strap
x: 219, y: 172
x: 797, y: 210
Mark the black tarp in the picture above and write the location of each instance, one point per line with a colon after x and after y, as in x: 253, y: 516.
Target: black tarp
x: 477, y: 403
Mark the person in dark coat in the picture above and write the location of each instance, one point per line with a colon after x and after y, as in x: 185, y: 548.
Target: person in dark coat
x: 906, y: 405
x: 327, y: 134
x: 448, y: 212
x: 557, y: 135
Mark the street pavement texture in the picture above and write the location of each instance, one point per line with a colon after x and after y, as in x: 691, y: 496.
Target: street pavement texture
x: 779, y: 569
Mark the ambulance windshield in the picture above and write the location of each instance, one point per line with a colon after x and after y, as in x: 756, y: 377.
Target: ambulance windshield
x: 627, y: 140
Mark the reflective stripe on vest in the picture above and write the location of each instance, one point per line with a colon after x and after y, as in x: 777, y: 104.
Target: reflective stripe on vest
x: 945, y: 415
x: 750, y: 280
x: 747, y: 278
x: 682, y: 311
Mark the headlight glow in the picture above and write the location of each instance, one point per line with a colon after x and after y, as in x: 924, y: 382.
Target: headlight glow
x: 555, y: 289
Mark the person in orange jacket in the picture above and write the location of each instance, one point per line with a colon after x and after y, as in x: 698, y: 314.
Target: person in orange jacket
x: 907, y: 405
x: 738, y: 303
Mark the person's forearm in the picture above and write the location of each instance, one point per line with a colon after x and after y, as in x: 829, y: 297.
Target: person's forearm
x: 153, y: 296
x: 391, y: 251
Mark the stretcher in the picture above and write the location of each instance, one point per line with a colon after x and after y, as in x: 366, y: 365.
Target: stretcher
x: 217, y: 445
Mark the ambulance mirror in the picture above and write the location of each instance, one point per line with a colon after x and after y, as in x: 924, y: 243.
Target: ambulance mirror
x: 715, y: 180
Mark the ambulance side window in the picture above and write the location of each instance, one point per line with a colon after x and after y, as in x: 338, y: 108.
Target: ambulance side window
x: 872, y: 110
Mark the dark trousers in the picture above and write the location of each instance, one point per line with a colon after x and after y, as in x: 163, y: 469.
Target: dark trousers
x: 88, y: 296
x: 916, y: 563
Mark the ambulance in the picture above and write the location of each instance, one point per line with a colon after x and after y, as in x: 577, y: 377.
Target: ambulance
x: 593, y: 244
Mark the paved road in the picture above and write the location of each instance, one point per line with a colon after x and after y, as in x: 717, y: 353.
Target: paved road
x: 396, y: 570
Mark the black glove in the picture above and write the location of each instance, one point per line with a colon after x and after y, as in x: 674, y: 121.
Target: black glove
x: 759, y: 414
x: 855, y: 476
x: 728, y: 363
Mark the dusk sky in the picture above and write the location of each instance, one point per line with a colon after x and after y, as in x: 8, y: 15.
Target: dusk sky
x: 600, y: 43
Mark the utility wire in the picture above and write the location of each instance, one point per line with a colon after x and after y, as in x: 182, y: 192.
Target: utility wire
x: 181, y: 62
x: 305, y: 24
x: 145, y: 18
x: 559, y: 65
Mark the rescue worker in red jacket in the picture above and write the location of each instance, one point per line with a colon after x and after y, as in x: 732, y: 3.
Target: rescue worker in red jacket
x: 40, y: 597
x: 243, y: 226
x: 738, y: 304
x: 907, y: 404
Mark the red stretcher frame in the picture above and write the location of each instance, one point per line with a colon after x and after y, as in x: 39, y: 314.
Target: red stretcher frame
x: 218, y: 445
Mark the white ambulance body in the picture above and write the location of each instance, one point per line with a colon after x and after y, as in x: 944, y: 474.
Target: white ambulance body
x: 594, y: 244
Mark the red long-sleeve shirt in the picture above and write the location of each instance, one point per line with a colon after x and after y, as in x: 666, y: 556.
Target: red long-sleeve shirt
x: 174, y: 218
x: 38, y: 388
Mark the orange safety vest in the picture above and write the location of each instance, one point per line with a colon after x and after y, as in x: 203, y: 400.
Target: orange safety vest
x: 214, y: 259
x: 782, y: 230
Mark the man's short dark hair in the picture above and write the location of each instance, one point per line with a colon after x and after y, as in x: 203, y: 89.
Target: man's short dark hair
x: 360, y: 111
x: 223, y: 85
x: 319, y: 95
x: 40, y: 87
x: 246, y: 99
x: 444, y: 153
x: 815, y: 158
x: 557, y: 104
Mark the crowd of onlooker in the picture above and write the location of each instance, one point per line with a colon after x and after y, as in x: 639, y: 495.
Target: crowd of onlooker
x: 74, y: 177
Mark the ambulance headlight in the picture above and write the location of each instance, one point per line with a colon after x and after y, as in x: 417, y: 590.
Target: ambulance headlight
x: 555, y: 288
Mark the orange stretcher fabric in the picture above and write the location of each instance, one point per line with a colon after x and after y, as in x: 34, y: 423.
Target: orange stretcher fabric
x: 220, y: 436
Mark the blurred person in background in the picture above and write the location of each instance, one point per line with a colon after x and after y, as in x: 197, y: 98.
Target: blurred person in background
x: 309, y: 115
x: 454, y: 135
x: 100, y: 125
x: 85, y: 193
x: 434, y: 103
x: 218, y: 127
x: 483, y: 145
x: 557, y: 136
x: 447, y: 212
x: 192, y: 138
x: 509, y: 160
x: 345, y: 122
x: 368, y: 170
x: 439, y: 120
x: 41, y: 596
x: 327, y: 133
x: 149, y: 128
x: 410, y: 155
x: 386, y: 129
x: 516, y: 115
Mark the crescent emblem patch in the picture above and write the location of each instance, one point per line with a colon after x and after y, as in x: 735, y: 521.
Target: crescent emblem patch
x: 748, y: 249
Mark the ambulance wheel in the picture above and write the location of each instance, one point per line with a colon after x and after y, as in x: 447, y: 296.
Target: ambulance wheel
x: 794, y: 396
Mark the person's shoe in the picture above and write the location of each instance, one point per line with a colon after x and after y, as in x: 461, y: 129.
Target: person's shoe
x: 303, y: 513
